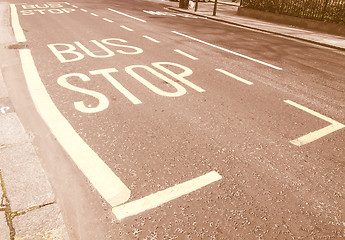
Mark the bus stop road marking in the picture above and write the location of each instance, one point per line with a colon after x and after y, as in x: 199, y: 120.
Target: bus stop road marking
x: 156, y: 199
x: 235, y: 77
x: 109, y: 186
x: 310, y: 137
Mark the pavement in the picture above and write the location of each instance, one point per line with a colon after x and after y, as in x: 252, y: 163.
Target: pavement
x: 28, y: 206
x: 227, y: 13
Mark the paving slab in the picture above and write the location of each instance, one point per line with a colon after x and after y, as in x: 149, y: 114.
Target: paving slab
x: 26, y: 182
x: 43, y: 223
x: 4, y: 230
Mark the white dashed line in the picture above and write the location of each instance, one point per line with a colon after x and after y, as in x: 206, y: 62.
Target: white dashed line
x: 74, y: 6
x: 18, y: 31
x: 151, y: 39
x: 108, y: 20
x: 67, y: 3
x: 112, y: 189
x: 138, y: 19
x: 83, y: 10
x: 234, y: 76
x: 127, y: 28
x: 186, y: 54
x: 227, y: 50
x: 94, y: 14
x: 156, y: 199
x: 310, y: 137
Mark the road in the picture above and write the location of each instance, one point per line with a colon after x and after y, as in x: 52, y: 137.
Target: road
x: 165, y: 126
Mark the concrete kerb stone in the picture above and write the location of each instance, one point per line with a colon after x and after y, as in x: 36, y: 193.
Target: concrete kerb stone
x: 218, y: 19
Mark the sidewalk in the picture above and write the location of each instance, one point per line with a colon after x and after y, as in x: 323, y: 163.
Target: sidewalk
x: 28, y: 208
x: 227, y: 12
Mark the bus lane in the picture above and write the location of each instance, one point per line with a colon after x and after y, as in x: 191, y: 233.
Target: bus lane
x: 153, y: 117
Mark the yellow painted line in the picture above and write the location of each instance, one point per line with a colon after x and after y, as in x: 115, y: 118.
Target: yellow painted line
x: 235, y: 77
x: 111, y: 188
x: 108, y: 20
x: 151, y: 39
x: 18, y: 31
x: 186, y: 54
x: 127, y: 28
x: 310, y: 137
x: 161, y: 197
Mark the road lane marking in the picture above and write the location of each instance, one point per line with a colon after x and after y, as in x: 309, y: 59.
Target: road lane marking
x: 108, y: 20
x: 127, y: 28
x: 138, y: 19
x: 74, y: 6
x: 156, y: 199
x: 228, y: 51
x: 94, y: 14
x: 234, y: 76
x: 67, y: 3
x: 310, y: 137
x: 186, y: 54
x: 111, y: 188
x: 151, y: 39
x: 84, y: 10
x: 18, y: 31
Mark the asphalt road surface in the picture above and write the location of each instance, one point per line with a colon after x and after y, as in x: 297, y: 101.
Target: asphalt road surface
x: 165, y: 126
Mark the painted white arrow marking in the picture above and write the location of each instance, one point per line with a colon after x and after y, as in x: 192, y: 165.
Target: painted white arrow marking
x: 310, y: 137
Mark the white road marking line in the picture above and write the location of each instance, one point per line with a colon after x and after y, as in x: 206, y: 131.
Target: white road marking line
x: 94, y: 14
x: 18, y: 31
x: 234, y: 76
x: 151, y: 39
x: 156, y: 199
x: 108, y: 20
x: 127, y: 28
x: 112, y: 189
x: 67, y: 3
x: 83, y: 10
x: 310, y: 137
x: 74, y: 6
x: 186, y: 54
x: 227, y: 50
x: 138, y: 19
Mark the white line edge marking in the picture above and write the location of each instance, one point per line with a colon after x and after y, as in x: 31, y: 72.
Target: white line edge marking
x: 156, y: 199
x: 111, y: 188
x: 94, y: 14
x: 127, y: 28
x: 235, y: 77
x: 138, y: 19
x: 310, y: 137
x: 18, y: 31
x: 84, y: 10
x: 151, y: 39
x: 227, y: 50
x: 108, y: 20
x: 186, y: 54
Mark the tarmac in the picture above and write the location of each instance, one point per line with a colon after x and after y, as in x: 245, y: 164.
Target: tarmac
x: 28, y: 207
